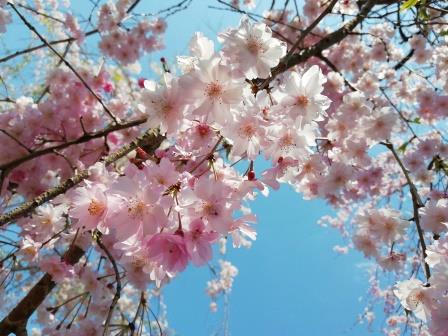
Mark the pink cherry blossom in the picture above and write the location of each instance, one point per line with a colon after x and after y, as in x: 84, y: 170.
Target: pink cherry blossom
x: 59, y: 270
x: 253, y: 48
x: 168, y: 250
x: 213, y: 90
x: 197, y: 242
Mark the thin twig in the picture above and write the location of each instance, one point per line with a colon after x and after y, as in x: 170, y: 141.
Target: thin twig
x: 313, y: 25
x: 62, y: 58
x: 65, y: 40
x: 97, y: 236
x: 82, y: 139
x: 334, y: 68
x: 47, y: 87
x: 17, y: 141
x: 207, y: 157
x: 395, y: 107
x: 35, y: 11
x: 416, y: 204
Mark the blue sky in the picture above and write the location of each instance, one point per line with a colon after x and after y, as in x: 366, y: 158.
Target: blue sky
x: 290, y: 281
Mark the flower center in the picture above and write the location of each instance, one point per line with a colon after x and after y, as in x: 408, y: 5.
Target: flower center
x: 138, y: 262
x: 166, y: 108
x: 415, y: 298
x: 441, y: 218
x: 213, y: 90
x: 302, y: 101
x: 254, y: 46
x: 96, y: 208
x: 209, y: 209
x: 161, y: 180
x: 203, y: 129
x: 136, y: 209
x: 286, y: 142
x: 46, y: 222
x: 247, y: 130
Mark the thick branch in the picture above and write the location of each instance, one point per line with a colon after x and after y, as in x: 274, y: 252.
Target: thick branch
x: 151, y: 139
x: 16, y: 321
x: 313, y: 25
x: 326, y: 42
x: 82, y: 139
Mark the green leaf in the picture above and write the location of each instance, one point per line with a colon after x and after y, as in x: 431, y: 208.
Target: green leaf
x: 402, y: 148
x: 444, y: 32
x: 416, y: 120
x: 408, y: 4
x: 423, y: 14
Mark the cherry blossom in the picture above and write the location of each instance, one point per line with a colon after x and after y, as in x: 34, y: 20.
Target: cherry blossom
x: 114, y: 180
x: 256, y: 50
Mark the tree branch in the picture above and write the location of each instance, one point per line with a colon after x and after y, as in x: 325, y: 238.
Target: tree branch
x: 69, y: 39
x: 7, y: 167
x: 152, y: 139
x: 313, y: 25
x: 400, y: 64
x: 16, y: 321
x: 114, y: 302
x: 416, y: 204
x: 61, y: 57
x: 326, y: 42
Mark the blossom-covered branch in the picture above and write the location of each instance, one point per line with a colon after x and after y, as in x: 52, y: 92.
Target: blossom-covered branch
x: 150, y: 140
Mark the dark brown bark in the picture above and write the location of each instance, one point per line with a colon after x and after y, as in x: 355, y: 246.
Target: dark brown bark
x: 16, y: 321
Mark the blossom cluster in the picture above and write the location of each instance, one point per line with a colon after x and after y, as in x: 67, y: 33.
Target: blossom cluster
x: 361, y: 125
x: 168, y: 210
x: 69, y: 113
x: 157, y: 212
x: 127, y: 45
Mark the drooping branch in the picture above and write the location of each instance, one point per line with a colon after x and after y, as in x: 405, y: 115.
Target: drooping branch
x: 395, y: 107
x: 16, y: 320
x: 416, y: 204
x: 47, y: 87
x: 116, y: 297
x: 139, y: 311
x: 151, y: 140
x: 335, y: 69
